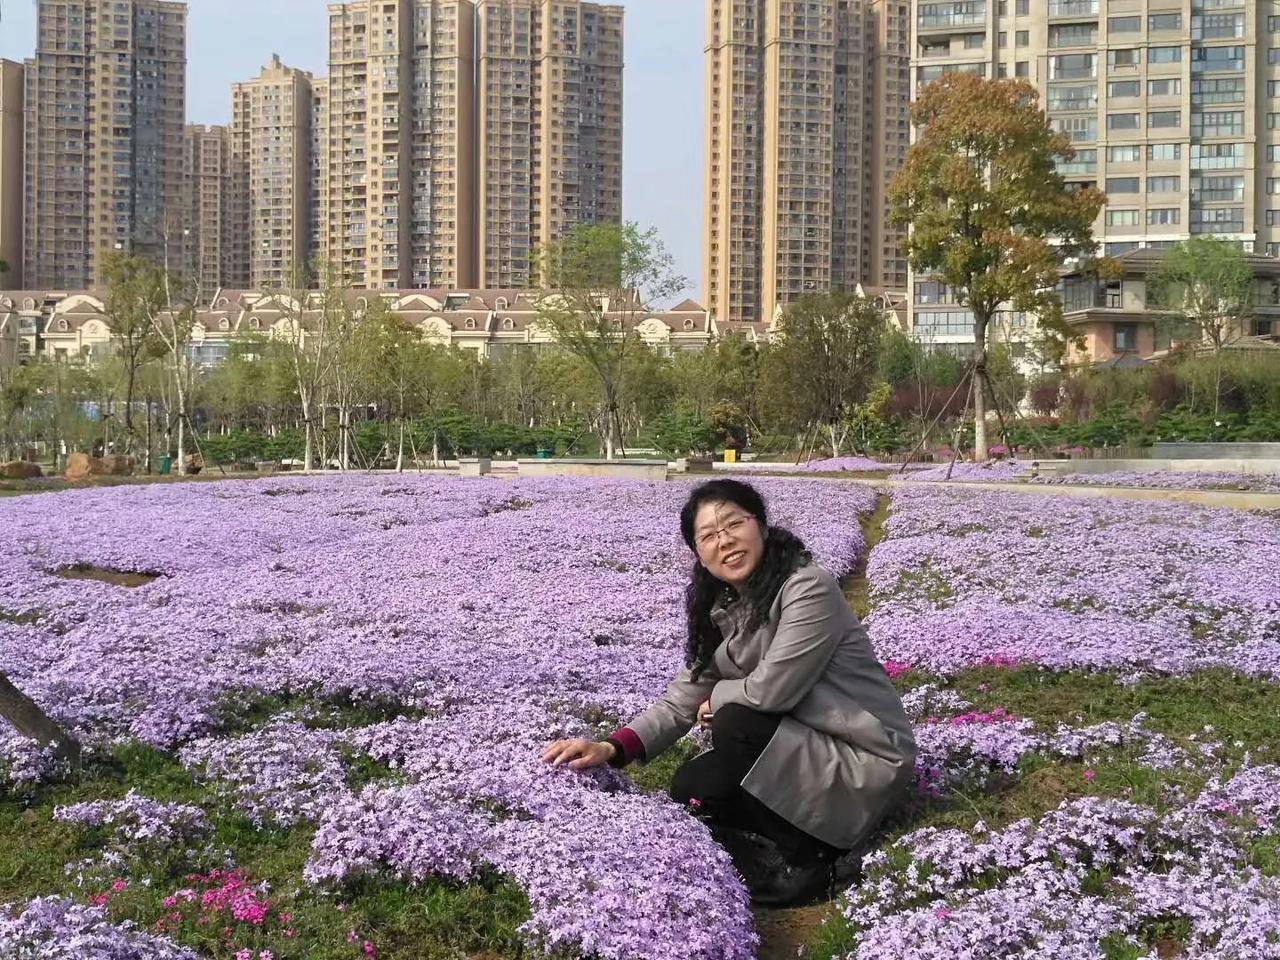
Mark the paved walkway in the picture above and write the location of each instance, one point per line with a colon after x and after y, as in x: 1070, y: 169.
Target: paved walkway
x: 1234, y: 499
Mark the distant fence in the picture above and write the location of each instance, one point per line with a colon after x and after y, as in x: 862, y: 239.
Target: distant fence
x: 1184, y: 451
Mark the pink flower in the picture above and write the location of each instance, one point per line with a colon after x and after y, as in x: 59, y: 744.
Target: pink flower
x: 942, y: 913
x: 1089, y: 776
x: 368, y: 950
x: 119, y: 886
x: 266, y: 955
x: 244, y: 955
x: 352, y: 936
x: 100, y: 899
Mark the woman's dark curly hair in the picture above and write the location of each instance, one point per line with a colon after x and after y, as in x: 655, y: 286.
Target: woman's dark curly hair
x: 783, y: 553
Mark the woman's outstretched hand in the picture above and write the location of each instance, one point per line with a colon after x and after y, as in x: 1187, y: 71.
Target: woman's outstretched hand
x: 579, y: 754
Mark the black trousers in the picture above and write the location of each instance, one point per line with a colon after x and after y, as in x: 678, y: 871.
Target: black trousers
x: 711, y: 784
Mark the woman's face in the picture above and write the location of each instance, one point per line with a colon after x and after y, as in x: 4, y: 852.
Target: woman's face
x: 728, y: 540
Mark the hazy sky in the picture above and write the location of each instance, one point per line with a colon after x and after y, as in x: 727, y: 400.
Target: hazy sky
x: 230, y: 40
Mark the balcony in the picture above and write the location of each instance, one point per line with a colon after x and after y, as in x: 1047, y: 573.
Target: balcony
x: 947, y: 16
x: 1073, y: 8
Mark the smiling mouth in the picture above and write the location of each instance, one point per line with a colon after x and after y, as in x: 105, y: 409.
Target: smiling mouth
x: 735, y: 557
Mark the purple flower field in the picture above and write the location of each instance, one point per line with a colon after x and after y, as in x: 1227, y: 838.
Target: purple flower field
x: 962, y: 577
x: 468, y: 622
x: 494, y: 615
x: 1166, y: 480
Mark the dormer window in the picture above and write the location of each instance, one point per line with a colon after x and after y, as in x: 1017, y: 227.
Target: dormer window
x: 224, y: 324
x: 255, y: 323
x: 501, y: 303
x: 63, y: 326
x: 508, y: 324
x: 470, y: 324
x: 688, y: 325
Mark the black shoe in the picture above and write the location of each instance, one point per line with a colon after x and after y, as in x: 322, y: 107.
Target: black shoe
x: 794, y: 886
x: 771, y: 879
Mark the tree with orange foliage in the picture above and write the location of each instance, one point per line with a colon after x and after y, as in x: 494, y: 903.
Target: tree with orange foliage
x: 990, y: 215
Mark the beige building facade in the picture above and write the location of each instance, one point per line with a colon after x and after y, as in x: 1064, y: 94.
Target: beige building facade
x: 271, y: 143
x: 105, y: 111
x: 209, y: 233
x: 1170, y: 105
x: 401, y: 199
x: 803, y: 136
x: 11, y: 150
x: 549, y: 127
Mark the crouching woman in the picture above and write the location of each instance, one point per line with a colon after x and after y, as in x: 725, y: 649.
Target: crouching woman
x: 810, y: 744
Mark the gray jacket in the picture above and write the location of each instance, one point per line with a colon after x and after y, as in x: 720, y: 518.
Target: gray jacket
x: 844, y: 752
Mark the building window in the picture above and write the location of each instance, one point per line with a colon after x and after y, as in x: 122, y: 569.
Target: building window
x: 1273, y: 186
x: 1122, y: 58
x: 1022, y: 68
x: 1123, y: 121
x: 1272, y: 218
x: 1164, y: 55
x: 1002, y: 39
x: 1126, y: 154
x: 1116, y: 250
x: 1273, y: 121
x: 1126, y: 337
x: 1072, y: 66
x: 1164, y: 151
x: 1210, y: 92
x: 1124, y: 24
x: 974, y: 41
x: 1218, y: 220
x: 1217, y: 26
x: 1073, y: 35
x: 1080, y: 129
x: 1122, y: 218
x: 1164, y: 184
x: 1022, y: 38
x: 1117, y: 89
x: 1273, y: 55
x: 1164, y: 88
x: 1273, y: 24
x: 1164, y: 217
x: 1218, y: 123
x: 1163, y: 119
x: 1164, y: 21
x: 1002, y: 71
x: 1217, y: 59
x: 1217, y: 156
x: 1023, y: 8
x: 1122, y: 185
x: 1273, y: 153
x: 1217, y: 189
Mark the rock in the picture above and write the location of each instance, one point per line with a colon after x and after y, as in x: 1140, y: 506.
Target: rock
x: 20, y: 470
x: 81, y: 466
x: 118, y: 466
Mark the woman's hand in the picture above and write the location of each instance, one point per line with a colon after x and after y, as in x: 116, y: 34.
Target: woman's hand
x: 579, y: 754
x: 704, y: 714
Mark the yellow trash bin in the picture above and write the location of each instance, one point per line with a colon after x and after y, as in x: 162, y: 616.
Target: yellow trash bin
x: 731, y: 456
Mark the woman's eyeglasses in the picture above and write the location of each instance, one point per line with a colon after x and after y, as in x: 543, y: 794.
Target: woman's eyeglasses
x: 733, y: 528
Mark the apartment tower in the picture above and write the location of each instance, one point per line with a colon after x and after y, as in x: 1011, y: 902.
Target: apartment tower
x: 549, y: 126
x: 11, y: 147
x: 105, y: 109
x: 271, y: 134
x: 1168, y: 103
x: 318, y: 245
x: 401, y: 202
x: 207, y: 187
x: 801, y: 140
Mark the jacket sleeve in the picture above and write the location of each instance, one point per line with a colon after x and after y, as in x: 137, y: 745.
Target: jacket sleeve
x: 675, y: 712
x: 807, y: 636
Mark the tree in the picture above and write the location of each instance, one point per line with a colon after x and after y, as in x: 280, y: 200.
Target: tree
x: 32, y: 722
x: 1204, y: 287
x: 597, y: 283
x: 135, y: 298
x: 824, y: 357
x: 307, y: 339
x: 990, y: 216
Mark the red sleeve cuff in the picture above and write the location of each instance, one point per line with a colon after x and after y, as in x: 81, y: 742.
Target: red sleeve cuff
x: 629, y: 741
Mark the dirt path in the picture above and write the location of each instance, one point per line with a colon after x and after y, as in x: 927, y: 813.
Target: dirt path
x: 784, y: 932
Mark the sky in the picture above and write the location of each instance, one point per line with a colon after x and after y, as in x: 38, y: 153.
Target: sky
x: 230, y: 40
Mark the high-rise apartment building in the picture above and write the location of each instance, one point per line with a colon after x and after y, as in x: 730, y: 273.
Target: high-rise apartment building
x: 401, y: 204
x: 1167, y: 102
x: 550, y: 127
x: 11, y: 147
x: 208, y: 231
x: 105, y: 110
x: 271, y: 119
x: 318, y: 248
x: 802, y: 138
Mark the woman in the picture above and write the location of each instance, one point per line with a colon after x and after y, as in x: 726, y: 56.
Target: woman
x: 810, y: 744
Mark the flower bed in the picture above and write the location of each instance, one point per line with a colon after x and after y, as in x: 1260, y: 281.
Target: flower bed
x: 962, y: 577
x: 421, y: 639
x: 1167, y: 480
